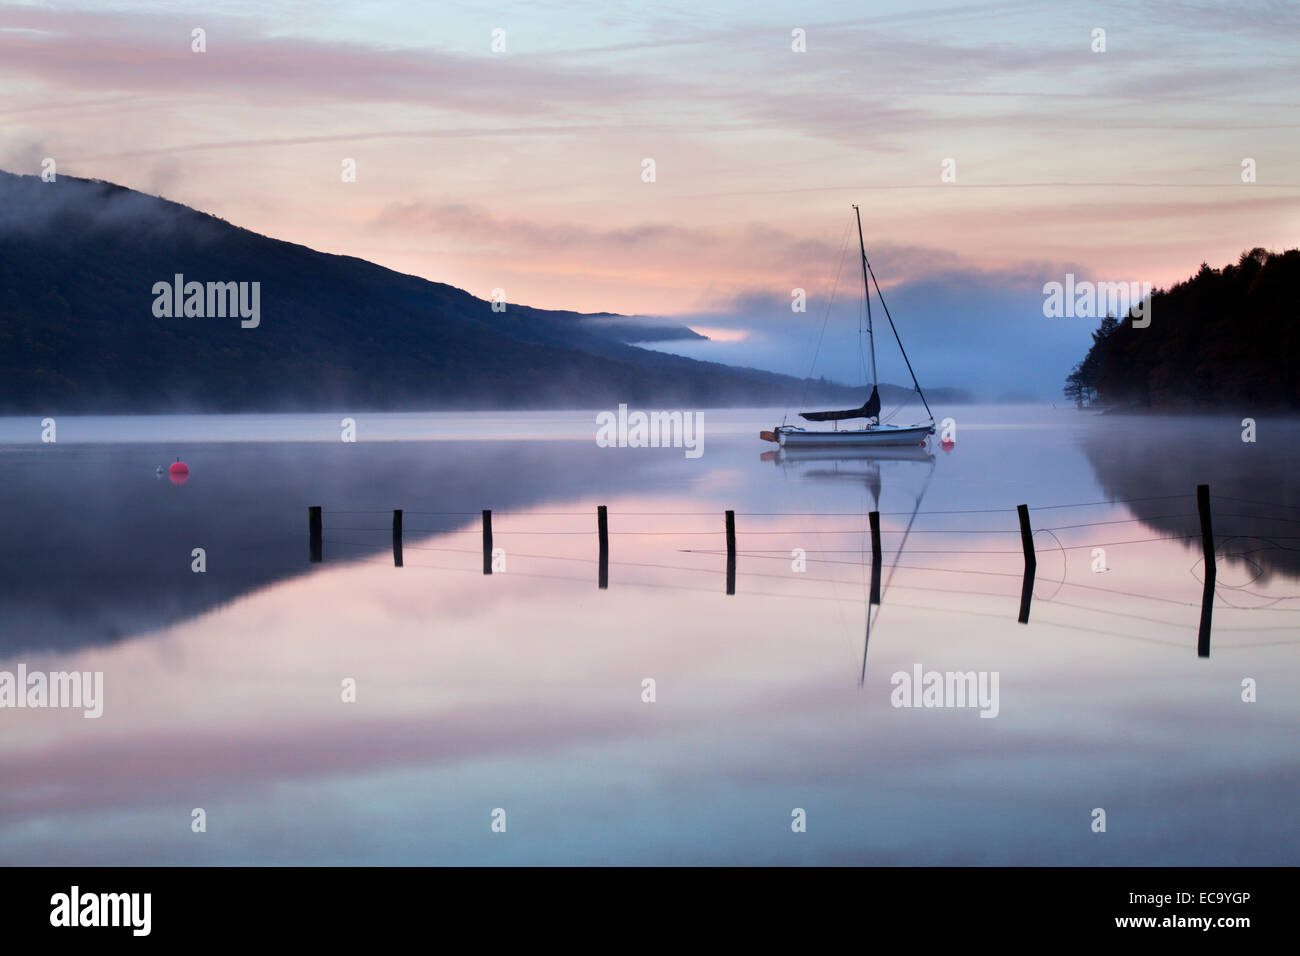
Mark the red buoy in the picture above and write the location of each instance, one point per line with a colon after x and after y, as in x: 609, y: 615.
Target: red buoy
x: 178, y: 472
x: 947, y: 444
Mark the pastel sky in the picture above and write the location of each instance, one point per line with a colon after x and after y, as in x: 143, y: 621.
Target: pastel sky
x: 522, y: 169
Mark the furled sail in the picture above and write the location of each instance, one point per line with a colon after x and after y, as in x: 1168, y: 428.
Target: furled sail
x: 870, y: 410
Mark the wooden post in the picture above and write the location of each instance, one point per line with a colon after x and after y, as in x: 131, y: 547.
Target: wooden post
x: 874, y: 518
x: 1031, y: 562
x: 487, y: 541
x: 397, y: 537
x: 313, y: 526
x: 731, y: 552
x: 602, y: 528
x: 1211, y: 570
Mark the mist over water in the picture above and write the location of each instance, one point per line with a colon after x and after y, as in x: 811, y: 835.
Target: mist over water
x: 523, y: 690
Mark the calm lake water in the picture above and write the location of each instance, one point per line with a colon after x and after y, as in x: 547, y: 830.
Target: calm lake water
x: 524, y: 690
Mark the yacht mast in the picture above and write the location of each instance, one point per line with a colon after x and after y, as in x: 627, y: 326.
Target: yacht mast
x: 871, y: 335
x: 894, y: 328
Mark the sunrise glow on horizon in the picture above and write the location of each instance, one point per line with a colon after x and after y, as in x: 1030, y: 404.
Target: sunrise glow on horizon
x: 992, y: 149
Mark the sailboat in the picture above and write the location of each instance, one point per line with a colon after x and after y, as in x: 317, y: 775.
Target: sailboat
x: 873, y: 432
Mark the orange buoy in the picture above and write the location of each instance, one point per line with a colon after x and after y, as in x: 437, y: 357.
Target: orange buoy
x: 178, y: 472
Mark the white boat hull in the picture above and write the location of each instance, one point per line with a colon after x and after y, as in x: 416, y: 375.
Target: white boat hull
x: 792, y: 436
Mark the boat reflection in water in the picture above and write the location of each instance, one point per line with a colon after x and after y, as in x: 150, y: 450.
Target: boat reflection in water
x: 860, y: 464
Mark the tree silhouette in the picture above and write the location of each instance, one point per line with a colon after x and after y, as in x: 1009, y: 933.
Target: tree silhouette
x: 1221, y: 337
x: 1081, y: 384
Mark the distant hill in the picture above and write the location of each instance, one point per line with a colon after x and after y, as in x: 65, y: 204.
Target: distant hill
x: 1224, y: 337
x: 79, y: 260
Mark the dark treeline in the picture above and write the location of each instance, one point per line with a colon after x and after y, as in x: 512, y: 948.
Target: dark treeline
x: 1224, y: 336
